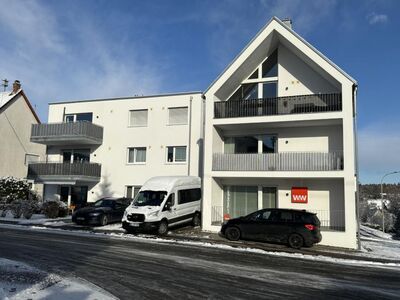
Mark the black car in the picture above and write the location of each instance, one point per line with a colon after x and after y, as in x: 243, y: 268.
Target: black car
x: 102, y: 212
x: 297, y: 228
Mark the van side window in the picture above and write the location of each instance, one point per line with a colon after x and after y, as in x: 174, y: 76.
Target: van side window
x: 189, y: 195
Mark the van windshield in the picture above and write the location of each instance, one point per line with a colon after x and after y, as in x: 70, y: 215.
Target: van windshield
x: 149, y: 198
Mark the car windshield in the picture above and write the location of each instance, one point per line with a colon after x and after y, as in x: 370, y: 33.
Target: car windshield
x: 149, y: 198
x: 104, y: 203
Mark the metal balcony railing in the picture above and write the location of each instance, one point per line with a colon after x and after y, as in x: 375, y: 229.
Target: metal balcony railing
x: 85, y: 169
x: 331, y: 220
x: 282, y: 161
x: 278, y: 106
x: 75, y: 131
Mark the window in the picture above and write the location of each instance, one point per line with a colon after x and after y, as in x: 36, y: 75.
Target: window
x: 31, y: 158
x: 69, y: 118
x: 270, y: 65
x: 132, y: 191
x: 240, y: 200
x: 80, y: 117
x: 286, y: 216
x: 250, y: 144
x: 269, y: 90
x: 269, y: 197
x: 76, y: 155
x: 176, y: 154
x: 178, y: 115
x: 137, y: 155
x: 138, y: 117
x: 189, y: 195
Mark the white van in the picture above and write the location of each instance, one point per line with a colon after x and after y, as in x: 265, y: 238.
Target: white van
x: 162, y: 202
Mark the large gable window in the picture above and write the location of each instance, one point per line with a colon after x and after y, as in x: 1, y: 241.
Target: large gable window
x: 262, y: 83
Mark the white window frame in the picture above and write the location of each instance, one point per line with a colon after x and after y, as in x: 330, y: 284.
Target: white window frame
x: 134, y: 188
x: 134, y: 156
x: 138, y: 109
x: 177, y: 107
x: 173, y: 162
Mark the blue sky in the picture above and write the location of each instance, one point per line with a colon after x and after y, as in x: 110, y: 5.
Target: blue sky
x: 64, y: 50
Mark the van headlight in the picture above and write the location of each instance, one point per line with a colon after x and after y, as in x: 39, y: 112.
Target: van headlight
x: 153, y: 214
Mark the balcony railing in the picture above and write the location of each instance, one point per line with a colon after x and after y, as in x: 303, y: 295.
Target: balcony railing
x: 304, y: 104
x: 61, y: 133
x: 283, y: 161
x: 64, y: 171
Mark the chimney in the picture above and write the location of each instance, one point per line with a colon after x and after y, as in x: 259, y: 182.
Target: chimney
x: 287, y: 22
x: 16, y: 87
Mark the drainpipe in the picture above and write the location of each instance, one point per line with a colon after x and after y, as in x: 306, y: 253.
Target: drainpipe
x: 190, y: 134
x: 355, y: 87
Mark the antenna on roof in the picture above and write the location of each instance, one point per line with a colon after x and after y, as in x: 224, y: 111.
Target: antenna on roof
x: 4, y: 84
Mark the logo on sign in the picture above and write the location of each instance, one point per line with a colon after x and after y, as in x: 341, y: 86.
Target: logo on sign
x: 299, y: 195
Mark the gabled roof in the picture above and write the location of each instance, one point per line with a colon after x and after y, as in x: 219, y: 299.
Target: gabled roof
x: 277, y: 21
x: 6, y: 98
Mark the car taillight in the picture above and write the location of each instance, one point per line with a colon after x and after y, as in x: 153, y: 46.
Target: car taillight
x: 227, y: 217
x: 309, y: 227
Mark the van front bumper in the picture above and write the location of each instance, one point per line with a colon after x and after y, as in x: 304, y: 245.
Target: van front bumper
x: 140, y: 226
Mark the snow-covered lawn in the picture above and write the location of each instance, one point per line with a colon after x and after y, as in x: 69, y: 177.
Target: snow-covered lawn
x: 375, y: 243
x: 37, y: 219
x: 21, y: 281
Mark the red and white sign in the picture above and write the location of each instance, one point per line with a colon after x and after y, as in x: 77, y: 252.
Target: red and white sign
x: 299, y: 195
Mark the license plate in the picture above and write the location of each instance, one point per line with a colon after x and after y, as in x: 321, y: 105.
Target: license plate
x: 135, y: 224
x: 80, y: 218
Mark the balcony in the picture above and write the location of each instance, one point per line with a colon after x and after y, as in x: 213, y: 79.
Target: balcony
x: 64, y: 173
x: 283, y: 161
x: 81, y: 133
x: 304, y: 104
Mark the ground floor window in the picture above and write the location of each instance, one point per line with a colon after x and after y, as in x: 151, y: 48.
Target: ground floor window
x: 132, y: 191
x: 243, y: 200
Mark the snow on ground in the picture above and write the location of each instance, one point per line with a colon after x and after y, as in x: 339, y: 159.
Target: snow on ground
x: 37, y: 219
x: 375, y: 243
x: 21, y: 281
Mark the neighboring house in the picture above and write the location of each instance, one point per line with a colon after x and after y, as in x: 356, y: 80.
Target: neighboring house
x: 278, y: 128
x: 106, y: 147
x: 16, y: 119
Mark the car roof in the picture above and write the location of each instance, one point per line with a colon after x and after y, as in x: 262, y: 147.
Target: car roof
x: 291, y: 210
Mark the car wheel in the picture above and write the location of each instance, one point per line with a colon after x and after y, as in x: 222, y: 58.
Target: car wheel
x: 232, y: 233
x: 196, y: 221
x: 103, y: 220
x: 162, y: 228
x: 296, y: 241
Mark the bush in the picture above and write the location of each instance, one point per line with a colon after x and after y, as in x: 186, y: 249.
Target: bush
x: 12, y: 189
x: 55, y: 208
x: 25, y: 208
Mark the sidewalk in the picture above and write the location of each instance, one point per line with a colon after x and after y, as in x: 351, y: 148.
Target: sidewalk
x: 190, y: 234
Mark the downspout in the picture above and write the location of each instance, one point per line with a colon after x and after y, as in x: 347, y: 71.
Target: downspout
x: 355, y: 87
x: 190, y: 134
x: 201, y: 150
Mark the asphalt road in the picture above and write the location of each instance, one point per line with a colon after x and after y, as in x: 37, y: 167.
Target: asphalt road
x: 132, y: 269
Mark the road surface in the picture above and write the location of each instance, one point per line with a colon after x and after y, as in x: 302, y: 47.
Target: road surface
x: 131, y: 269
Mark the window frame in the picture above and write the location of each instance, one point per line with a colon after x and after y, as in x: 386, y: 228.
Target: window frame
x: 198, y: 190
x: 178, y: 107
x: 135, y: 155
x: 139, y: 109
x: 134, y: 189
x: 174, y: 155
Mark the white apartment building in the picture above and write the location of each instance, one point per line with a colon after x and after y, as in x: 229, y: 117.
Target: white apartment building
x: 110, y: 147
x: 275, y: 129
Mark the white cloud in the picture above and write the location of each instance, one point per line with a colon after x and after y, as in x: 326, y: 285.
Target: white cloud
x: 62, y: 57
x: 375, y: 18
x: 379, y: 150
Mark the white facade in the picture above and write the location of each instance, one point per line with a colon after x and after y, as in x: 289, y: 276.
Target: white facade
x: 153, y: 136
x: 315, y: 136
x: 278, y: 121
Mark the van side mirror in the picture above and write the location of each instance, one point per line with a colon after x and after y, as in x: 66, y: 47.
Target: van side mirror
x: 167, y: 206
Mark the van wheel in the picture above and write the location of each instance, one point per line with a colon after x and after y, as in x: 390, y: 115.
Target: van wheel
x: 103, y: 220
x: 162, y: 228
x: 196, y: 221
x: 232, y: 233
x: 296, y: 241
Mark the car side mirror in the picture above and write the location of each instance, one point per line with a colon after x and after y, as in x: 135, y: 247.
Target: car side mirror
x: 167, y: 206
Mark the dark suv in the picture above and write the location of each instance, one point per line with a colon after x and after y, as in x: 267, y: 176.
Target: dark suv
x: 297, y: 228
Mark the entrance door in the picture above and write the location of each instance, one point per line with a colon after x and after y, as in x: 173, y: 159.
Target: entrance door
x: 64, y: 192
x: 79, y: 196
